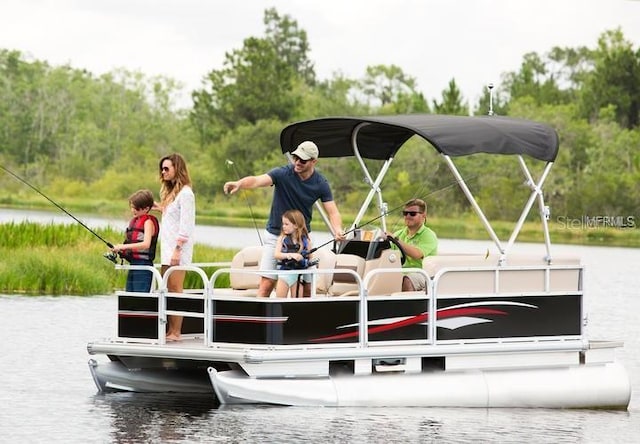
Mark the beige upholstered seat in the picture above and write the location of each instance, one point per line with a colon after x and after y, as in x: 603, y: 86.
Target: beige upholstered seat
x: 327, y: 261
x: 345, y: 283
x: 248, y: 258
x: 520, y: 273
x: 384, y: 283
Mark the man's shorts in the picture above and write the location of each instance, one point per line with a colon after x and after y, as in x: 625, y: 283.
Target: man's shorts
x: 418, y: 280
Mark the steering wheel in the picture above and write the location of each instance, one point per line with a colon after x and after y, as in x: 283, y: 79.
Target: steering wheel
x: 403, y: 254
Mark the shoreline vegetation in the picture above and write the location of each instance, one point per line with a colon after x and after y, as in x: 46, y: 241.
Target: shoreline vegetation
x: 591, y: 230
x: 66, y: 259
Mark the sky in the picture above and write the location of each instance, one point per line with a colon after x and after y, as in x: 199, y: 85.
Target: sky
x: 473, y: 41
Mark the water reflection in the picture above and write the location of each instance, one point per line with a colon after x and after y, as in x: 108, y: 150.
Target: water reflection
x: 177, y: 418
x: 153, y: 417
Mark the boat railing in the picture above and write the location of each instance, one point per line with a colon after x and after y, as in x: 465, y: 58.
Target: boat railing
x: 205, y: 296
x: 364, y: 315
x: 448, y: 283
x: 226, y: 293
x: 125, y: 310
x: 159, y: 293
x: 496, y: 280
x: 156, y: 282
x: 156, y: 276
x: 515, y: 284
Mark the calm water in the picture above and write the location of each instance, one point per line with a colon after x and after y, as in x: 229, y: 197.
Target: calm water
x: 47, y: 394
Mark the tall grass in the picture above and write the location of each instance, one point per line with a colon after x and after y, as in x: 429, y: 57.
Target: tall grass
x: 58, y: 259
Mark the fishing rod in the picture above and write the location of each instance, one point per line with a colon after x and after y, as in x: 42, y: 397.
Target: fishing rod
x: 253, y: 219
x: 109, y: 244
x: 386, y: 213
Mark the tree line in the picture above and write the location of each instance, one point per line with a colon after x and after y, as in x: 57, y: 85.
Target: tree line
x: 76, y: 134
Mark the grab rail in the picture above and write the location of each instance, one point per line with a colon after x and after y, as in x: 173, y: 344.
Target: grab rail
x: 364, y: 307
x: 164, y: 293
x: 570, y: 285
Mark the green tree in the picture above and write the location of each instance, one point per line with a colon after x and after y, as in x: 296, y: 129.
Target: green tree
x: 391, y: 90
x: 614, y: 80
x: 291, y: 44
x: 65, y: 127
x: 451, y: 101
x: 332, y: 97
x: 569, y: 66
x: 259, y: 81
x: 536, y: 81
x: 254, y: 84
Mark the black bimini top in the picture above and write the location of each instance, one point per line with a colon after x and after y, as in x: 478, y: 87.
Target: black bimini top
x: 380, y: 137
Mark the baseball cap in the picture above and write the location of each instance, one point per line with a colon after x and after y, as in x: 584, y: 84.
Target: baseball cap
x: 306, y: 150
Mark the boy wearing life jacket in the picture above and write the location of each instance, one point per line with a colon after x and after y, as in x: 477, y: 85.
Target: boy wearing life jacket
x: 292, y: 253
x: 139, y: 247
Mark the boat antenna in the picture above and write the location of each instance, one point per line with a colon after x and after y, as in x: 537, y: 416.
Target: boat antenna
x: 253, y: 219
x: 385, y: 213
x: 490, y: 88
x: 109, y: 244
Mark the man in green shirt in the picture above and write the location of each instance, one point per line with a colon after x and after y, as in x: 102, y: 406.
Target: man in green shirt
x: 417, y: 240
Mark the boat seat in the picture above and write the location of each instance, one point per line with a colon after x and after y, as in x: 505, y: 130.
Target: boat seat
x: 384, y: 283
x: 345, y: 283
x: 327, y: 261
x: 432, y: 264
x: 246, y: 284
x: 460, y: 277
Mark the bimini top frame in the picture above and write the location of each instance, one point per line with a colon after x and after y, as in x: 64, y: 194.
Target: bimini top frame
x: 380, y: 137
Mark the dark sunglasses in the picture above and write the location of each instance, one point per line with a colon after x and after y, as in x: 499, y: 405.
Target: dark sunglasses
x: 164, y: 169
x: 411, y: 213
x: 302, y: 161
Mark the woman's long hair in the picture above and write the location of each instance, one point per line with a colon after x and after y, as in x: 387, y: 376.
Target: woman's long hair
x: 297, y: 219
x: 170, y: 188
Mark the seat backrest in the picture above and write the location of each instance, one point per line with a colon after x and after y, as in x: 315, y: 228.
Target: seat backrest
x: 384, y: 283
x: 246, y: 259
x: 345, y: 282
x: 462, y: 279
x: 327, y: 261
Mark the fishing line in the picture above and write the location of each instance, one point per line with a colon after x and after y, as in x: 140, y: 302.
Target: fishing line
x: 386, y: 213
x: 253, y: 219
x: 109, y: 244
x: 417, y: 195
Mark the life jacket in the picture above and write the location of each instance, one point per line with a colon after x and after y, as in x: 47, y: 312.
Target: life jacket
x: 135, y: 234
x: 288, y: 246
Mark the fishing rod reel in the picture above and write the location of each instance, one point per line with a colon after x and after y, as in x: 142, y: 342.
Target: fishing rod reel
x: 113, y: 257
x: 292, y: 264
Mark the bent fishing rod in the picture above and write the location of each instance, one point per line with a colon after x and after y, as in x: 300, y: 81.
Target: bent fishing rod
x: 109, y: 244
x: 386, y: 213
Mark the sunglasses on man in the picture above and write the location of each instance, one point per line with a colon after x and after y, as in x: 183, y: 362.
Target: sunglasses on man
x: 411, y: 213
x: 302, y: 161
